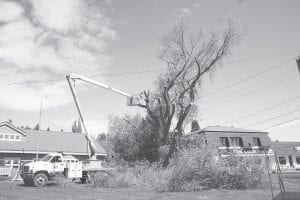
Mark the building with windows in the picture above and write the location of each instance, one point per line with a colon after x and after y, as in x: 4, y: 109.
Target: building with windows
x: 22, y: 144
x: 236, y: 141
x: 288, y: 154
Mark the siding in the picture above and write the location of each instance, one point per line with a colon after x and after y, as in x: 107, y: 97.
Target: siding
x: 7, y: 130
x: 213, y: 138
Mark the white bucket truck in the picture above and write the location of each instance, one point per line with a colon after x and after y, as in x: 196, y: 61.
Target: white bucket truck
x: 38, y: 173
x: 57, y: 164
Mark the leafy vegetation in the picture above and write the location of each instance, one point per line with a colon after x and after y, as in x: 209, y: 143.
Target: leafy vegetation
x: 193, y: 168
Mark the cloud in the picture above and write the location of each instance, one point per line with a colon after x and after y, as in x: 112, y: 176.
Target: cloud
x: 42, y: 40
x: 9, y: 11
x: 182, y: 12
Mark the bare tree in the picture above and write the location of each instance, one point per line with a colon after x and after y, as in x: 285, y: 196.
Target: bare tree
x: 189, y: 56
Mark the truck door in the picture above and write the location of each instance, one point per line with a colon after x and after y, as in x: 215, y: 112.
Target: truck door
x: 58, y: 165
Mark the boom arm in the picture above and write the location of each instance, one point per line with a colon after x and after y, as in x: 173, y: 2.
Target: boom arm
x: 131, y: 101
x: 89, y: 80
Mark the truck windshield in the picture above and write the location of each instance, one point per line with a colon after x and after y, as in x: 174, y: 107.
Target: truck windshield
x: 46, y: 158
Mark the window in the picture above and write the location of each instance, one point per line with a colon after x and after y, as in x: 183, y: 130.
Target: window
x: 46, y: 158
x: 14, y: 161
x: 224, y: 141
x: 237, y: 141
x: 298, y: 160
x: 10, y: 137
x: 256, y: 141
x: 56, y: 159
x: 282, y: 160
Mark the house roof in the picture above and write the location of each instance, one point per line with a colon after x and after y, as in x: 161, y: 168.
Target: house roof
x: 286, y: 147
x: 13, y: 128
x: 228, y: 129
x: 51, y: 141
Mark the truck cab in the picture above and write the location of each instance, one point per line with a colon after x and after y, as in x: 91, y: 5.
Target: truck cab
x: 39, y: 172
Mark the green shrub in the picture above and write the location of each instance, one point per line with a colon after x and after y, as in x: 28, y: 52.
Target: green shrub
x: 196, y: 168
x: 193, y: 168
x: 242, y: 172
x: 2, y: 162
x: 62, y: 181
x: 101, y: 179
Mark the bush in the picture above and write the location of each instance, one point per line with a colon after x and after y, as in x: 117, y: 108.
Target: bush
x: 62, y: 181
x: 241, y: 172
x: 195, y: 168
x: 191, y: 169
x: 101, y: 179
x: 140, y: 174
x: 2, y: 162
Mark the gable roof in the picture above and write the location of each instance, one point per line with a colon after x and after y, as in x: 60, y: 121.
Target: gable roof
x: 286, y: 147
x: 285, y: 144
x: 13, y: 128
x: 228, y: 129
x: 51, y: 141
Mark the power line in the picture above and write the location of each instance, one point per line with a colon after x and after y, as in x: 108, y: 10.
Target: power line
x: 263, y: 110
x: 260, y: 58
x: 249, y: 92
x: 278, y: 116
x: 248, y: 78
x: 147, y: 71
x: 57, y: 80
x: 256, y: 84
x: 282, y: 123
x: 30, y: 82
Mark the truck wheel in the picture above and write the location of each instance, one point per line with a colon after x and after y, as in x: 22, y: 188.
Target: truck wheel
x: 83, y: 180
x: 40, y: 180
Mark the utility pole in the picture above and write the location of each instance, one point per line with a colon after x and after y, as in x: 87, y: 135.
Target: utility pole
x: 298, y: 63
x: 38, y: 134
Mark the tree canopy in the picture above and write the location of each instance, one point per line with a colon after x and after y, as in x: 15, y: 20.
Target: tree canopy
x: 189, y: 57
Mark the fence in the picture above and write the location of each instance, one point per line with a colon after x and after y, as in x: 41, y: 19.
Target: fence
x: 5, y: 170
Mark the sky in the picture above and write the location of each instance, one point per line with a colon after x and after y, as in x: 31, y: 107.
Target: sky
x: 43, y: 40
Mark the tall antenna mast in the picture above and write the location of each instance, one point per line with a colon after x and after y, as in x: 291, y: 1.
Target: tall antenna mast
x: 38, y: 134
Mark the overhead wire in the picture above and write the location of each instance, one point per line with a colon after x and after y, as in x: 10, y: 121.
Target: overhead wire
x: 248, y: 93
x: 147, y: 71
x: 251, y: 86
x: 249, y: 77
x: 263, y: 110
x: 270, y: 119
x: 282, y: 123
x: 103, y: 75
x: 270, y: 79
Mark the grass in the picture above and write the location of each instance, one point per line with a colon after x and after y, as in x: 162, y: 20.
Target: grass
x: 16, y: 190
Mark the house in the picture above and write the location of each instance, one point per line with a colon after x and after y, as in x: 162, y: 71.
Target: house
x: 22, y: 145
x: 288, y: 154
x: 237, y: 141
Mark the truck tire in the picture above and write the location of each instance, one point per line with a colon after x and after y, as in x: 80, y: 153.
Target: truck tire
x: 40, y: 180
x: 83, y: 180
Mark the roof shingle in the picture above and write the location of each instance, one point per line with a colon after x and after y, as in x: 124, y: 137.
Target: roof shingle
x: 51, y: 141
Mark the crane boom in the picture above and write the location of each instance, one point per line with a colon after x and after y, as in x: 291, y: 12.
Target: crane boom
x: 131, y: 101
x: 89, y: 80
